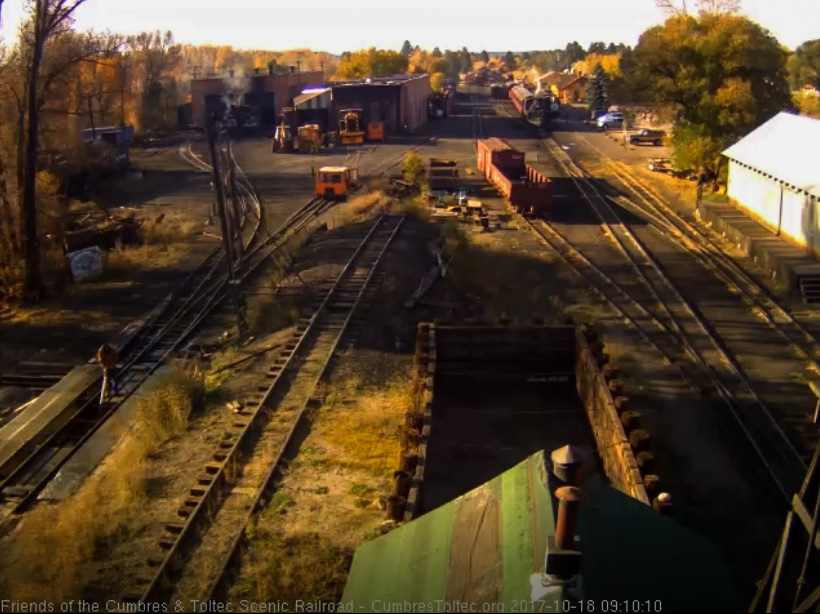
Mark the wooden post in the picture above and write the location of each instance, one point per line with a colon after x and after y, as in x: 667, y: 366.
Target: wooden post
x: 814, y: 385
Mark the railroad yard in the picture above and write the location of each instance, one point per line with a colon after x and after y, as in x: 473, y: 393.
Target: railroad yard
x: 270, y: 461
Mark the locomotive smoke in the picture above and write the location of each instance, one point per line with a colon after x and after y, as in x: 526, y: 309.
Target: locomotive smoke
x: 536, y: 77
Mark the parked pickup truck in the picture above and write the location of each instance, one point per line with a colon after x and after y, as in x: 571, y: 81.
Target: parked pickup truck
x: 655, y: 137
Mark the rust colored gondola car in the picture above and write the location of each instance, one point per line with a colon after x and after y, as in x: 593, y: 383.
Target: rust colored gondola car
x: 526, y: 190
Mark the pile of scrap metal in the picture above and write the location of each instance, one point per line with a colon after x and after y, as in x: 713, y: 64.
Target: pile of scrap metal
x: 80, y: 170
x: 401, y: 188
x: 97, y: 228
x: 443, y: 175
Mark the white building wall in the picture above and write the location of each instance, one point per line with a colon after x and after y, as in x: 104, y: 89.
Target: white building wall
x: 774, y: 205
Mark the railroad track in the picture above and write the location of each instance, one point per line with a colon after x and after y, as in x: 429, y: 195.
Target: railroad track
x: 478, y: 121
x: 218, y: 506
x: 202, y: 291
x: 710, y: 365
x: 143, y: 355
x: 696, y: 337
x: 696, y: 242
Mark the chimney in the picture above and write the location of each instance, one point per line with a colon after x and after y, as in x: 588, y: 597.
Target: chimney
x: 567, y: 524
x: 563, y: 560
x: 292, y: 69
x: 256, y: 71
x: 270, y: 68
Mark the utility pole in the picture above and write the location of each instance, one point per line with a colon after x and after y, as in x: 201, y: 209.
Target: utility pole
x: 91, y: 119
x: 227, y: 235
x: 123, y: 81
x: 235, y: 202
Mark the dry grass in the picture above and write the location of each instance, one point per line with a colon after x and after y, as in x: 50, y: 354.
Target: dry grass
x: 301, y: 544
x: 265, y: 317
x: 165, y: 413
x: 362, y: 207
x: 417, y: 208
x: 44, y: 557
x: 367, y: 433
x: 163, y: 245
x: 170, y: 230
x: 77, y: 206
x: 305, y: 566
x: 507, y: 279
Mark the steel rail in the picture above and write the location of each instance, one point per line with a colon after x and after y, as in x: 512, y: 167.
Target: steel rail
x: 141, y: 360
x: 205, y: 496
x: 784, y: 452
x: 700, y: 245
x: 232, y: 561
x: 791, y: 463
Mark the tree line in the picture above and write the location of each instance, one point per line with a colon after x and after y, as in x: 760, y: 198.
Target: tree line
x: 716, y: 73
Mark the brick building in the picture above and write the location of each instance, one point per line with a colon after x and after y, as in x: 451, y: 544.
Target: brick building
x: 269, y: 92
x: 399, y: 101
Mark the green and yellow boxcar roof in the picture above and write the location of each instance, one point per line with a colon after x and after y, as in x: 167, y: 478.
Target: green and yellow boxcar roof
x: 485, y: 551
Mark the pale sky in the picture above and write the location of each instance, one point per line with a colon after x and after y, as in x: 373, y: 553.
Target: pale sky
x: 345, y: 25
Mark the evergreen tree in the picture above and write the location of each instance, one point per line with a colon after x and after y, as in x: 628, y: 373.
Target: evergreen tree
x: 436, y: 53
x: 466, y: 61
x: 597, y: 98
x: 509, y: 60
x: 407, y: 48
x: 485, y: 57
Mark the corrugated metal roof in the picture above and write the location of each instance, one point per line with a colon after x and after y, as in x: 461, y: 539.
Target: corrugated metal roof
x: 786, y: 147
x: 308, y: 95
x: 482, y: 547
x: 488, y: 546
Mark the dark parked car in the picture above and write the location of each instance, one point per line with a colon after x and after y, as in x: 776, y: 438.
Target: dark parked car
x: 655, y: 137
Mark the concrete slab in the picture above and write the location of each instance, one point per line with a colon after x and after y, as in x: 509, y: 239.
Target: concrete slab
x: 91, y: 454
x: 24, y: 433
x: 784, y: 260
x: 51, y: 411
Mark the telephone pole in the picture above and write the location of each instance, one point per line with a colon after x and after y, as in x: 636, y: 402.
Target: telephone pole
x: 227, y: 231
x: 237, y: 230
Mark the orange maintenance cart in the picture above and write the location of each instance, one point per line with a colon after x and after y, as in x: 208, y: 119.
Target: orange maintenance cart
x: 334, y: 182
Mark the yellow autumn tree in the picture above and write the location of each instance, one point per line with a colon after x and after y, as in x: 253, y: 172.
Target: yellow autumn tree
x: 371, y: 63
x: 437, y: 80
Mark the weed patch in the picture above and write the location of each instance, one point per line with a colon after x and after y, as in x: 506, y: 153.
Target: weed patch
x: 285, y: 568
x: 368, y: 432
x: 44, y: 557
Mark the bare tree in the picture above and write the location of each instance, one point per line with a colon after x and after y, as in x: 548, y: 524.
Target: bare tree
x: 708, y: 7
x: 672, y: 7
x: 50, y: 21
x: 156, y: 59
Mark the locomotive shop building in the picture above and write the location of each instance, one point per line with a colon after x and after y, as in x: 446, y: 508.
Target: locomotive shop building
x: 399, y: 101
x: 774, y: 177
x: 270, y: 92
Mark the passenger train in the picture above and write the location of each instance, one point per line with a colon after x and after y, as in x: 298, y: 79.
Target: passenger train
x: 538, y: 108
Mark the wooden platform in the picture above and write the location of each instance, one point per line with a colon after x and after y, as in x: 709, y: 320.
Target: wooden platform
x: 785, y: 261
x: 49, y: 412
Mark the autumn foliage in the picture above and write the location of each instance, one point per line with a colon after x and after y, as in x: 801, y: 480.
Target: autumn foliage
x: 722, y: 75
x: 371, y: 63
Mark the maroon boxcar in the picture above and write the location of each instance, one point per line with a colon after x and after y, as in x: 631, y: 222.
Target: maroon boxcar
x: 525, y: 189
